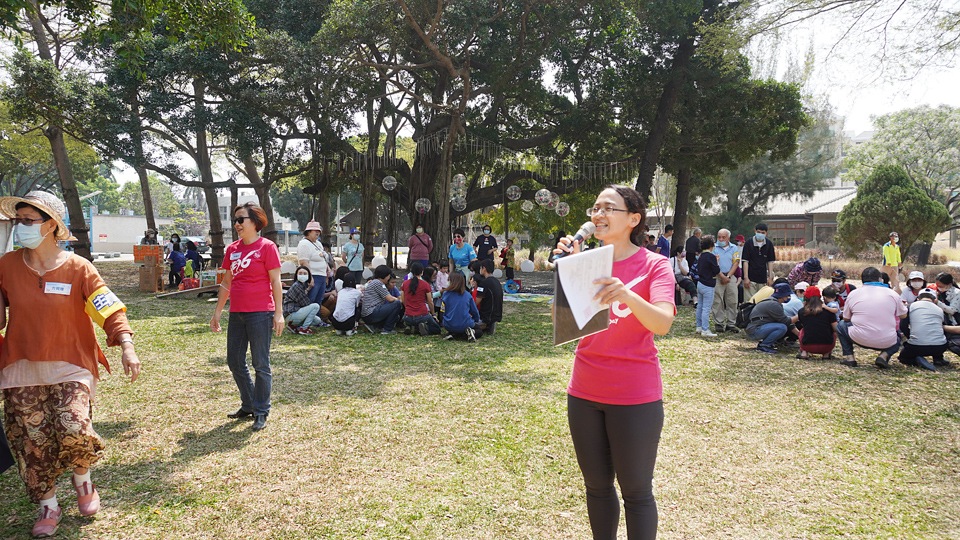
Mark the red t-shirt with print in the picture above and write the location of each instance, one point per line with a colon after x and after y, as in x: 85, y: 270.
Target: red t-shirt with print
x: 250, y: 265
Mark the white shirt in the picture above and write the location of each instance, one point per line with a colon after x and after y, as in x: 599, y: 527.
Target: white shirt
x: 313, y: 252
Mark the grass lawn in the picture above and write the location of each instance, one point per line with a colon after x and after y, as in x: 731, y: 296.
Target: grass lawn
x: 408, y: 437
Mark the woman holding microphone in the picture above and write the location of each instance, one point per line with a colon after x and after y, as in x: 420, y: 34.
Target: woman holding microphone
x: 614, y: 399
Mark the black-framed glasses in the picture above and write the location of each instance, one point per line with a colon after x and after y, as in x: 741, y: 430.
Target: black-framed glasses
x: 26, y: 221
x: 603, y: 211
x: 241, y: 219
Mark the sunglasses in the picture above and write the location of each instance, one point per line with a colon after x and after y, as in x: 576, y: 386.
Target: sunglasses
x: 458, y: 238
x: 241, y: 219
x: 26, y: 221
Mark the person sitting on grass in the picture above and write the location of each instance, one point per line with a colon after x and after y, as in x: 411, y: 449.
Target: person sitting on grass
x: 819, y: 333
x: 915, y: 283
x: 443, y: 276
x: 430, y: 276
x: 460, y: 314
x: 380, y: 309
x: 489, y: 298
x: 299, y: 312
x: 948, y: 297
x: 417, y: 300
x: 347, y: 313
x: 768, y: 323
x: 869, y: 320
x: 926, y: 335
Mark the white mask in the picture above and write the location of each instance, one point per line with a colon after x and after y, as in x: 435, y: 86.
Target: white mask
x: 303, y: 278
x: 29, y: 236
x: 916, y: 284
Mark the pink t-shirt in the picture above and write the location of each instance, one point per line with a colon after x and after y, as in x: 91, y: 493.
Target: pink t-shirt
x: 250, y: 265
x: 874, y: 312
x: 619, y: 366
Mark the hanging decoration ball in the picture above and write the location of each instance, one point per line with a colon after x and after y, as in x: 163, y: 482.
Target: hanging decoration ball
x: 526, y: 266
x: 389, y: 183
x: 527, y: 206
x: 498, y: 273
x: 423, y: 205
x: 552, y: 203
x: 459, y: 180
x: 563, y: 209
x: 513, y: 193
x: 378, y: 261
x: 459, y: 203
x: 542, y: 197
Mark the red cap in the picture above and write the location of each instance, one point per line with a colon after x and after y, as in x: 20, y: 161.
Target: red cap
x: 811, y: 292
x: 739, y: 238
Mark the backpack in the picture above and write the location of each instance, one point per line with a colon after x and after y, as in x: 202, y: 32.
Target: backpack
x: 743, y: 314
x: 694, y: 273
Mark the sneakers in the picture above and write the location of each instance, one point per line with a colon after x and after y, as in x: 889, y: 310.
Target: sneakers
x: 322, y: 324
x: 732, y: 329
x: 471, y: 337
x: 304, y: 331
x: 922, y: 362
x: 422, y: 327
x: 707, y: 333
x: 292, y: 328
x: 372, y: 329
x: 87, y: 497
x: 448, y: 337
x: 48, y: 522
x: 765, y: 349
x: 718, y: 329
x: 351, y: 332
x: 387, y: 332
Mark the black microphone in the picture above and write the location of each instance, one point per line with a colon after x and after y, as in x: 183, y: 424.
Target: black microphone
x: 586, y: 231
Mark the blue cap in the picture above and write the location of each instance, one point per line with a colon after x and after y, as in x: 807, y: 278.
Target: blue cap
x: 781, y: 290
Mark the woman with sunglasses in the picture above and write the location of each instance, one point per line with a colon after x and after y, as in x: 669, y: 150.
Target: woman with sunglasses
x: 460, y: 254
x: 252, y: 283
x: 49, y: 362
x: 614, y: 399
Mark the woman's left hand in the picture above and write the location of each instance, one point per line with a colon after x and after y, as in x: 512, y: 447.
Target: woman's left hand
x: 131, y: 363
x: 278, y: 323
x: 613, y: 290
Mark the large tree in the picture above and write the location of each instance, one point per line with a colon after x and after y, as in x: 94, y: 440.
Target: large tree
x: 888, y: 200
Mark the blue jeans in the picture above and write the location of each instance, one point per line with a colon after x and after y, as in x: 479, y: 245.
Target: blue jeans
x: 256, y: 329
x: 305, y: 316
x: 319, y: 287
x: 432, y: 325
x: 704, y: 304
x: 769, y: 333
x: 846, y: 342
x: 385, y: 315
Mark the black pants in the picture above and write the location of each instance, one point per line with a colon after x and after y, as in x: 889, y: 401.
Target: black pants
x: 175, y: 278
x: 617, y: 441
x: 909, y: 354
x: 348, y: 324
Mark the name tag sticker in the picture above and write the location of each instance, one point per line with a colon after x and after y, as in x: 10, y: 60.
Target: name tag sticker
x: 235, y: 256
x: 57, y: 288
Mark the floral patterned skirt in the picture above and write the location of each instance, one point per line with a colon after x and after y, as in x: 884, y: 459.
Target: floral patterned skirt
x: 50, y: 429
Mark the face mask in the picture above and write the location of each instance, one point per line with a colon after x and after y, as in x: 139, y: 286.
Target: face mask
x: 916, y: 284
x: 761, y: 237
x: 419, y: 230
x: 895, y: 239
x: 302, y: 278
x: 486, y: 231
x: 29, y: 237
x: 837, y: 283
x: 722, y: 243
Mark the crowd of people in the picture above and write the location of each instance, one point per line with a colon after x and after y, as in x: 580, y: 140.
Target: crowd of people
x: 726, y: 280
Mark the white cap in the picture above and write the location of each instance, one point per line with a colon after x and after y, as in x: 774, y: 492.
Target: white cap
x: 916, y: 274
x: 802, y: 286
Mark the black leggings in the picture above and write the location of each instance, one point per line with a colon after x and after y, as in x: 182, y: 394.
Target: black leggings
x: 617, y: 441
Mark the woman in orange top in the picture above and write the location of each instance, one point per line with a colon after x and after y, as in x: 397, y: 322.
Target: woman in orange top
x: 49, y: 361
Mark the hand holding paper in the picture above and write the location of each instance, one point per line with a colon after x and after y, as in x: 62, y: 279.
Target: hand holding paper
x: 577, y: 274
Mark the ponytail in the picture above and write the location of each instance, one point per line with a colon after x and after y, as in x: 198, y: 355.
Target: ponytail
x: 416, y: 269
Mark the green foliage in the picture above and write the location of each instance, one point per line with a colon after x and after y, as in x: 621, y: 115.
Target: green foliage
x: 925, y: 142
x: 165, y: 202
x: 541, y: 224
x: 888, y: 200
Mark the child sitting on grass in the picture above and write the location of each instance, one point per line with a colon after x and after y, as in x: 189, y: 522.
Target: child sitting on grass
x: 347, y: 313
x: 460, y: 314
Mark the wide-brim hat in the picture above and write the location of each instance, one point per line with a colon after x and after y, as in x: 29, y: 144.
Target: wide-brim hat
x: 812, y: 265
x: 313, y: 226
x: 47, y: 203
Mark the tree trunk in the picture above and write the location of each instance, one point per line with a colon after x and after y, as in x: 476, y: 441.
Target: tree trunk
x: 68, y: 185
x: 234, y: 202
x: 323, y: 216
x: 78, y: 222
x: 206, y: 176
x: 139, y: 162
x: 262, y: 190
x: 681, y: 206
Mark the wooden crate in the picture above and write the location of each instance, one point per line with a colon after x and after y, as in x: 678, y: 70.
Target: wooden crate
x: 151, y: 279
x: 139, y: 252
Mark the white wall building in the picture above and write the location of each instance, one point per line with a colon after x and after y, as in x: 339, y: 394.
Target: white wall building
x: 282, y: 223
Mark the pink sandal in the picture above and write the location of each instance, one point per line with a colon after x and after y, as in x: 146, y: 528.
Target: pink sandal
x: 87, y: 498
x: 48, y: 522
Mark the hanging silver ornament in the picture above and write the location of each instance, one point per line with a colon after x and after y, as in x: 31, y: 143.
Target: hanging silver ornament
x: 513, y: 193
x: 542, y: 197
x: 389, y: 183
x: 552, y: 201
x: 459, y: 203
x: 527, y: 206
x: 563, y: 209
x: 423, y: 205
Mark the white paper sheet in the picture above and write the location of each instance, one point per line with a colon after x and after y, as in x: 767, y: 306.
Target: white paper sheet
x: 577, y: 273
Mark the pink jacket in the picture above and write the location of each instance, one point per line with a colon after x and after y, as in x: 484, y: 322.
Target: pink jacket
x: 419, y: 251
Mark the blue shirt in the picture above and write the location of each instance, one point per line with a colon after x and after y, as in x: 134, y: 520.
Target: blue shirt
x: 793, y: 306
x: 177, y: 261
x: 726, y: 256
x: 663, y: 244
x: 462, y: 256
x: 354, y: 256
x: 459, y: 311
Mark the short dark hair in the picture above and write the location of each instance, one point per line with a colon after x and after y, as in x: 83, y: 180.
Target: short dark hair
x: 830, y: 292
x: 707, y: 242
x: 257, y: 215
x: 341, y: 272
x: 487, y: 265
x: 349, y: 280
x: 176, y: 246
x: 676, y: 250
x: 668, y: 228
x: 781, y: 280
x: 382, y: 271
x: 460, y: 232
x: 761, y: 227
x: 870, y: 274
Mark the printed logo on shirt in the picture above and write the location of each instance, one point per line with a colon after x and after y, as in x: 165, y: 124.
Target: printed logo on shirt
x: 622, y: 310
x: 238, y: 266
